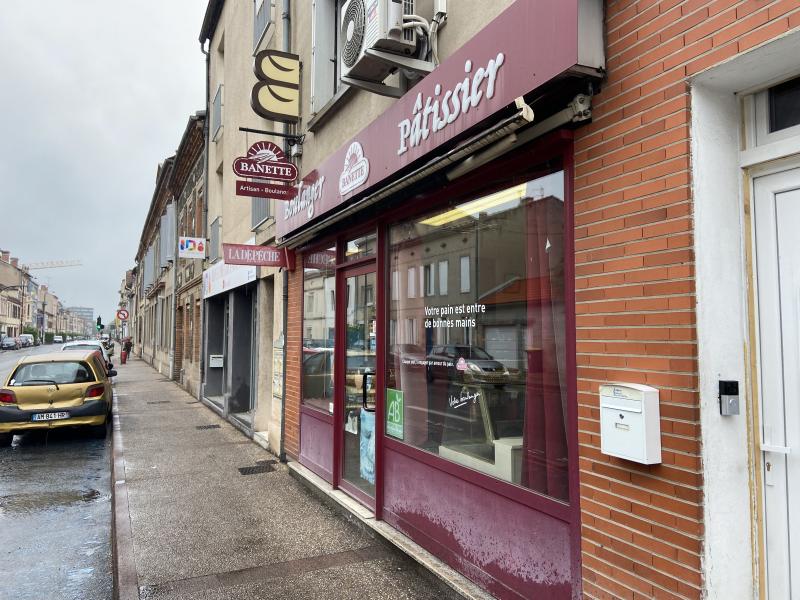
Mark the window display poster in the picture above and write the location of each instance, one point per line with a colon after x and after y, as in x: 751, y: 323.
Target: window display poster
x: 367, y: 446
x: 394, y: 413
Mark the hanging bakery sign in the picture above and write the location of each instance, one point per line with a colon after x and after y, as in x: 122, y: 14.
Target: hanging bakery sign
x: 265, y: 160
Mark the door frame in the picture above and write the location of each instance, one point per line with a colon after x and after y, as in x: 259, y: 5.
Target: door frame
x: 750, y: 175
x: 344, y: 271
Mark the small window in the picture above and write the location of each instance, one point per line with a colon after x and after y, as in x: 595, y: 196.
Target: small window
x: 216, y: 114
x: 443, y: 264
x: 213, y: 250
x: 324, y: 52
x: 465, y: 284
x: 430, y: 283
x: 412, y: 282
x: 784, y: 105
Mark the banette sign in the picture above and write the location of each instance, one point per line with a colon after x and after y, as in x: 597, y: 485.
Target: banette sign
x: 265, y: 160
x: 514, y: 54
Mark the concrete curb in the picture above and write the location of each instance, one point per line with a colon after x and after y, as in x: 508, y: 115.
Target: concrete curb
x: 126, y: 579
x: 356, y: 513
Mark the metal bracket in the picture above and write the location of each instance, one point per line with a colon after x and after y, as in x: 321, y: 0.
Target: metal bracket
x: 415, y: 65
x: 376, y: 88
x: 291, y: 137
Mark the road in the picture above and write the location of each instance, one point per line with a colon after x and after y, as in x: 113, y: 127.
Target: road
x: 55, y: 512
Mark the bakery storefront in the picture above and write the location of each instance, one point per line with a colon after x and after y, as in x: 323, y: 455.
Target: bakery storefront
x: 435, y: 275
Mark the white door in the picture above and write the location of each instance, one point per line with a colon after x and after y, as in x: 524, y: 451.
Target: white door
x: 777, y: 253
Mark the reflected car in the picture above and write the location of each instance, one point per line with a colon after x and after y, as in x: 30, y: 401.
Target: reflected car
x: 465, y: 363
x: 90, y: 345
x: 60, y: 389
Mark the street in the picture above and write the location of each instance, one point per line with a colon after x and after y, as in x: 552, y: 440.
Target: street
x: 55, y: 511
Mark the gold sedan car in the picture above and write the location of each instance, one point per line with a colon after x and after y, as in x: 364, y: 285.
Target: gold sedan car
x: 63, y: 389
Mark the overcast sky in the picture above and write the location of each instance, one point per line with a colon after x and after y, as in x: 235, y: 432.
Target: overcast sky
x: 94, y: 95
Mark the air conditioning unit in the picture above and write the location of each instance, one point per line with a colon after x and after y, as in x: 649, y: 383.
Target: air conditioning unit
x: 378, y: 25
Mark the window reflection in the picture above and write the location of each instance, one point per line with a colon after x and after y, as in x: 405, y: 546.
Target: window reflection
x: 319, y: 310
x: 477, y: 358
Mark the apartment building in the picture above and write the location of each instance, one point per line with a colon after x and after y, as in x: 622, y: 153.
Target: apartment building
x: 243, y: 315
x: 156, y: 286
x: 545, y: 276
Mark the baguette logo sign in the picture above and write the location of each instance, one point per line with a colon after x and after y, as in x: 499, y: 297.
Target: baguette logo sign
x: 276, y: 95
x: 265, y: 160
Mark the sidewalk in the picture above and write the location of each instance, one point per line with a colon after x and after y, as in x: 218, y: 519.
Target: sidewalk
x: 189, y: 525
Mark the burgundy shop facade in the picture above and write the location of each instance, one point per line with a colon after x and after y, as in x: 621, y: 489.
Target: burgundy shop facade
x: 431, y: 361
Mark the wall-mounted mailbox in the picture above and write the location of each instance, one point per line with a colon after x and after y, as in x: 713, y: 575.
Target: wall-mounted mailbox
x: 629, y: 422
x: 216, y: 361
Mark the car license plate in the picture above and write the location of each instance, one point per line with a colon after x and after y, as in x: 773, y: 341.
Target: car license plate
x: 51, y: 416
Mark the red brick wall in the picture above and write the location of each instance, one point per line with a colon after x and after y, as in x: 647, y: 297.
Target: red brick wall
x: 642, y: 526
x: 294, y: 352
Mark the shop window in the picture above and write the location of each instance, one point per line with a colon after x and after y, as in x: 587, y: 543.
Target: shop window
x: 361, y: 247
x: 319, y: 276
x: 481, y: 378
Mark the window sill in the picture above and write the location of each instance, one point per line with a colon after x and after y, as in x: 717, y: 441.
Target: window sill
x: 330, y: 108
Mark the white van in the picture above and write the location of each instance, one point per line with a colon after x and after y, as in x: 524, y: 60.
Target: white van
x: 27, y: 339
x: 57, y: 339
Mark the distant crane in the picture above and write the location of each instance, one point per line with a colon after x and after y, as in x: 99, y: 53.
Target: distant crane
x: 52, y: 264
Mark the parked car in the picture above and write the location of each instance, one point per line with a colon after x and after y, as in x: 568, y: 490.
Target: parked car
x: 60, y: 389
x: 27, y: 340
x: 57, y: 339
x: 10, y: 343
x: 95, y: 345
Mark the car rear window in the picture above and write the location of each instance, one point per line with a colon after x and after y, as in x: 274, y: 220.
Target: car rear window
x: 52, y: 372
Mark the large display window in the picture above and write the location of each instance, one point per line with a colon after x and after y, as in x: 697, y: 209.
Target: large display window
x: 319, y: 311
x: 476, y: 352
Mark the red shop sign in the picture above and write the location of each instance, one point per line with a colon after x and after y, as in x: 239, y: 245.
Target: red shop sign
x: 265, y: 160
x: 529, y: 44
x: 258, y: 256
x: 258, y: 189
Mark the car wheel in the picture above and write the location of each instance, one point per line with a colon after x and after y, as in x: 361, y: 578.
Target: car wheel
x: 6, y: 439
x: 99, y: 432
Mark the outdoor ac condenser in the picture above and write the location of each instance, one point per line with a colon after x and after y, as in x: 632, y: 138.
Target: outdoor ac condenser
x: 374, y: 24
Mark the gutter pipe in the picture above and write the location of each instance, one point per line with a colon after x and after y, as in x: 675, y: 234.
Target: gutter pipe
x: 286, y: 47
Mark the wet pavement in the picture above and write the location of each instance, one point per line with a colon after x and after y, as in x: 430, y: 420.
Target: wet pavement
x: 55, y: 517
x: 213, y: 516
x: 55, y: 512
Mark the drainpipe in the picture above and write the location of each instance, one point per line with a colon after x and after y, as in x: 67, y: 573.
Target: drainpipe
x: 173, y: 334
x: 203, y: 332
x: 286, y: 47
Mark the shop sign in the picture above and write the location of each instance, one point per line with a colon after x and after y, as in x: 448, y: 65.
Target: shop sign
x: 221, y: 277
x: 189, y: 247
x: 309, y: 193
x: 514, y: 54
x: 394, y: 413
x: 356, y: 169
x: 276, y: 95
x: 265, y: 160
x: 324, y: 259
x: 258, y: 189
x: 259, y: 256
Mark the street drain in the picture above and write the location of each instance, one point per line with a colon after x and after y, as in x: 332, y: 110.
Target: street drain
x: 193, y: 402
x: 208, y: 426
x: 159, y: 402
x: 264, y: 468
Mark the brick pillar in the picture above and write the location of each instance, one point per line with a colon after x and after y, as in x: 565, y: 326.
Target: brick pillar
x: 293, y: 366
